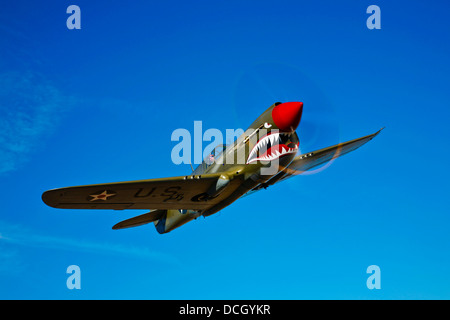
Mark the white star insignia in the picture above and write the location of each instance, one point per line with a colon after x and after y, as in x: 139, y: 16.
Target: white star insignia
x: 102, y: 196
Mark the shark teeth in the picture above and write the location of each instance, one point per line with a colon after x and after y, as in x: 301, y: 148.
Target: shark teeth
x: 274, y: 152
x: 272, y: 138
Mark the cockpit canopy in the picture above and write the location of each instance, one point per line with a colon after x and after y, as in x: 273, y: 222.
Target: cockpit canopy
x: 210, y: 159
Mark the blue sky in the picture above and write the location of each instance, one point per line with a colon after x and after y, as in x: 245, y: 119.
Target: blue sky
x: 99, y: 105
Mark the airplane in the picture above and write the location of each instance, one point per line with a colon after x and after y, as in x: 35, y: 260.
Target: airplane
x: 271, y: 142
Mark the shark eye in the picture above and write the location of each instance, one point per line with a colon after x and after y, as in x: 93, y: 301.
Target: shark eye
x: 267, y: 125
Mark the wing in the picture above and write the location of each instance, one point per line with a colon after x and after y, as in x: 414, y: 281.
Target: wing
x: 166, y: 193
x: 313, y: 159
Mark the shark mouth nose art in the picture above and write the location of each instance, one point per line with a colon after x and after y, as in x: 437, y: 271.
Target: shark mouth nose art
x: 273, y: 146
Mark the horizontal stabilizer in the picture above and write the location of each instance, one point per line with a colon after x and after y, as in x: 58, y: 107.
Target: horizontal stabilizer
x: 140, y: 220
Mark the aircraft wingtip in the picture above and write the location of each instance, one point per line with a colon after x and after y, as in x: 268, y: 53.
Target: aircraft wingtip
x: 382, y: 128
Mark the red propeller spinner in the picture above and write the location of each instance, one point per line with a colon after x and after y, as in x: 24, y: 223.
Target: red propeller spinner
x: 286, y: 116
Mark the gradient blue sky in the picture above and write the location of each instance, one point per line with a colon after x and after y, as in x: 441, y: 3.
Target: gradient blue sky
x: 99, y: 105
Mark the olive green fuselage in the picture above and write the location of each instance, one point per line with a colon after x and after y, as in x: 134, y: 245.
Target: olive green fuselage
x: 233, y: 161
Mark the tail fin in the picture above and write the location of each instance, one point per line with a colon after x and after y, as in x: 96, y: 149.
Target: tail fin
x: 173, y: 219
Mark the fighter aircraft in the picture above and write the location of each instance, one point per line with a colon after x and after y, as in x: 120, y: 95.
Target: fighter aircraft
x: 270, y: 143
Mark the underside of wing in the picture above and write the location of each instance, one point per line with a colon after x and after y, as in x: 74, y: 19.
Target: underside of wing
x: 168, y: 193
x: 313, y: 159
